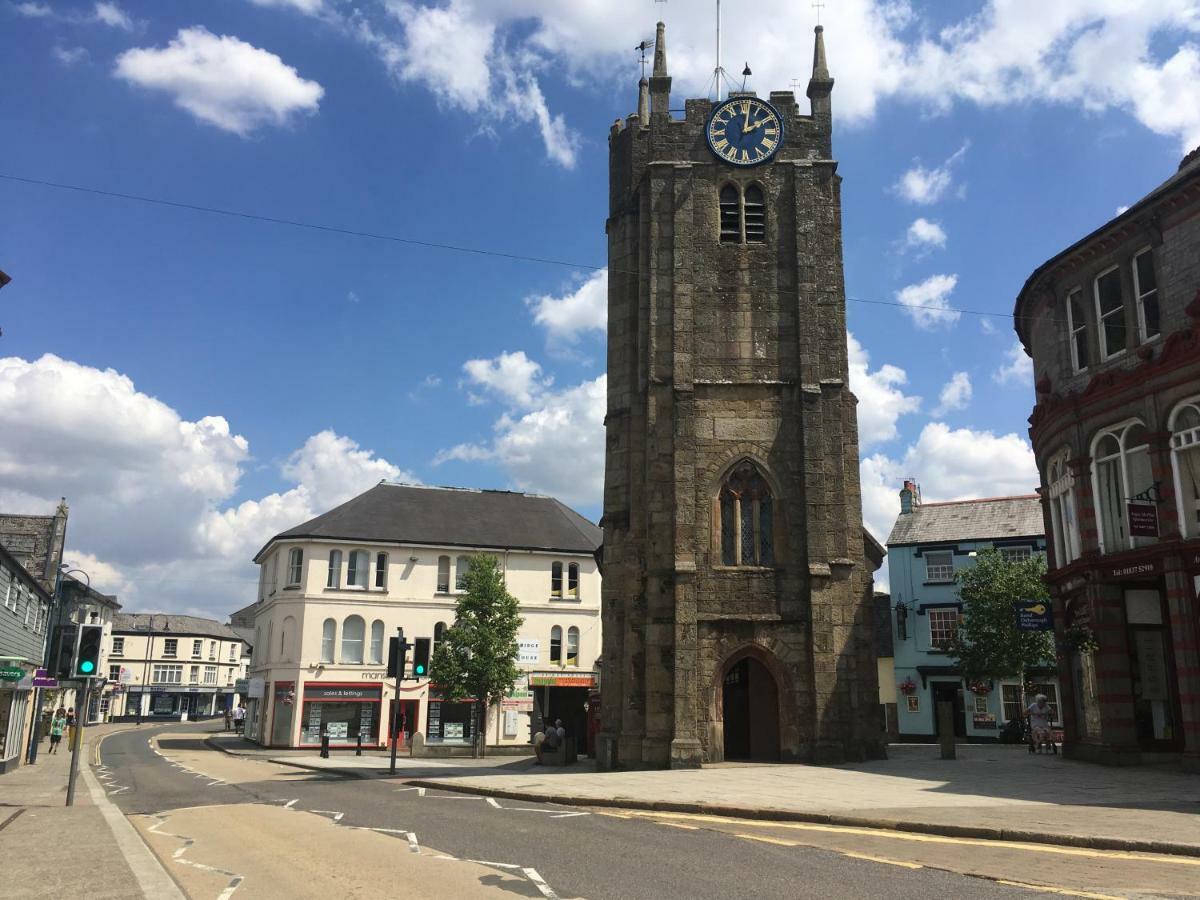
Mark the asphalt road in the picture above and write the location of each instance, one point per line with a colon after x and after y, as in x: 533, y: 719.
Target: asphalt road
x: 576, y: 852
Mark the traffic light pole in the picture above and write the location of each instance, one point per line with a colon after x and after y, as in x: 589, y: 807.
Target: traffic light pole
x: 395, y: 722
x: 77, y: 743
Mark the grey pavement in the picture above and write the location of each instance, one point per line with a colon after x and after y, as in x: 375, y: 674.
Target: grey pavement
x: 46, y: 847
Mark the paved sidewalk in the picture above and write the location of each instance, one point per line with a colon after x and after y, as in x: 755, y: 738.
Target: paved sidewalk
x: 990, y: 791
x: 45, y: 845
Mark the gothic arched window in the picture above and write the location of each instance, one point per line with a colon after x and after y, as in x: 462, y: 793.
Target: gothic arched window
x: 747, y: 519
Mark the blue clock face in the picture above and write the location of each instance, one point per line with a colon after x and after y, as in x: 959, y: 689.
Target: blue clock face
x: 744, y: 131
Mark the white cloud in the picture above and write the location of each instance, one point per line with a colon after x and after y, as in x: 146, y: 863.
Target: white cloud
x: 222, y: 80
x: 583, y: 310
x: 308, y: 7
x: 956, y: 394
x: 1018, y: 368
x: 928, y: 302
x: 950, y: 464
x: 112, y: 15
x: 881, y: 402
x: 149, y: 491
x: 986, y: 326
x: 923, y: 236
x: 512, y: 376
x: 927, y: 186
x: 33, y: 10
x: 69, y: 56
x: 1120, y: 210
x: 555, y: 448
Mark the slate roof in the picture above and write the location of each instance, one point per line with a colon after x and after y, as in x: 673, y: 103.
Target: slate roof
x: 970, y: 520
x: 454, y: 517
x: 37, y: 541
x: 183, y: 626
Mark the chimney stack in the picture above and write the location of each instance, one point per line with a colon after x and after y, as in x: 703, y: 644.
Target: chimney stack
x: 910, y: 496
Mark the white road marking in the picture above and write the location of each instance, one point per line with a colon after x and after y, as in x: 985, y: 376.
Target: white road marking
x: 337, y: 816
x: 540, y: 883
x: 492, y: 802
x: 412, y: 843
x: 420, y: 791
x: 234, y: 879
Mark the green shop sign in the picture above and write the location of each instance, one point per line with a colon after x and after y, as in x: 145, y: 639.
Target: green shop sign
x: 11, y: 673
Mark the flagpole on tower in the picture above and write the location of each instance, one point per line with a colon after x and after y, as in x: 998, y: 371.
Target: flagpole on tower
x: 718, y: 71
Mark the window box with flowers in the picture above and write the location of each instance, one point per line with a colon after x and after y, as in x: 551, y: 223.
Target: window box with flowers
x: 907, y: 686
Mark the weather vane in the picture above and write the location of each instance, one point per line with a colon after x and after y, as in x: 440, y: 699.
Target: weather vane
x: 818, y: 6
x: 642, y: 48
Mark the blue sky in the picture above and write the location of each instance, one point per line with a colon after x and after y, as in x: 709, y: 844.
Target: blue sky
x: 194, y: 383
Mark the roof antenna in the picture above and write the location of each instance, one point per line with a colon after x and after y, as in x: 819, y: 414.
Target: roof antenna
x: 746, y: 73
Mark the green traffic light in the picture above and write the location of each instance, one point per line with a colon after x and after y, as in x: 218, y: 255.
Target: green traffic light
x: 420, y: 670
x: 87, y: 667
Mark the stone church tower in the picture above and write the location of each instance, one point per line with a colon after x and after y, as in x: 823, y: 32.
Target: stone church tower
x: 736, y: 598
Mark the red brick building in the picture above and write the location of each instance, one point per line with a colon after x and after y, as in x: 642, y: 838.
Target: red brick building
x: 1113, y: 326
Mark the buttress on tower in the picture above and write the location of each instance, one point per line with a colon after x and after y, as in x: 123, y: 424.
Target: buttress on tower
x: 737, y: 594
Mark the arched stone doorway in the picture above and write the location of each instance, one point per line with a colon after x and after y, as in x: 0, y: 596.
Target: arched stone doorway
x: 750, y: 709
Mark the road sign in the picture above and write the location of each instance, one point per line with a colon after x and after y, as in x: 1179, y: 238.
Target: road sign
x: 11, y: 673
x: 1034, y: 615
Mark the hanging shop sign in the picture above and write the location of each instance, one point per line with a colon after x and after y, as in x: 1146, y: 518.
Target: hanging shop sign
x: 562, y: 679
x: 1034, y: 615
x: 1143, y: 519
x: 11, y: 673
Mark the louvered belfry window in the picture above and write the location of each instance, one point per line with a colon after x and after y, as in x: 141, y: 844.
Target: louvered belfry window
x: 743, y: 215
x: 755, y: 212
x: 731, y: 215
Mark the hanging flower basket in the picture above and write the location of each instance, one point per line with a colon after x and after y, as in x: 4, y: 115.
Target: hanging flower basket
x: 1079, y: 639
x: 981, y: 687
x: 908, y: 686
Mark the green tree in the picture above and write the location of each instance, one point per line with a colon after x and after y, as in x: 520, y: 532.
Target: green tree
x: 477, y: 656
x: 987, y: 643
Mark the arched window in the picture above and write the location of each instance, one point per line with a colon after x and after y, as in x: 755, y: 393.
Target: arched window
x: 443, y: 578
x: 334, y: 578
x: 556, y: 644
x: 439, y: 632
x: 573, y: 580
x: 1121, y: 460
x: 1063, y: 520
x: 461, y: 565
x: 359, y: 569
x: 381, y: 569
x: 328, y: 640
x: 1185, y: 461
x: 295, y: 568
x: 1077, y: 324
x: 353, y: 629
x: 754, y: 211
x: 287, y: 637
x: 747, y: 523
x: 556, y: 579
x: 572, y: 646
x: 731, y: 215
x: 377, y: 642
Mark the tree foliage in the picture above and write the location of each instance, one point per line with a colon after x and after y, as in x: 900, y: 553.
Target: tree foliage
x: 987, y: 643
x: 477, y: 656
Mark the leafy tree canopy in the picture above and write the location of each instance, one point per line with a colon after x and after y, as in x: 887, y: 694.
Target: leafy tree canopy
x: 477, y: 656
x: 987, y: 643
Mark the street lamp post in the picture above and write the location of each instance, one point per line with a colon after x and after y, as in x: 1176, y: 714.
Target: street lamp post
x: 146, y: 666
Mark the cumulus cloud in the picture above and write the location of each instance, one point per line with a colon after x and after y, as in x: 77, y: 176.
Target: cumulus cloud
x: 925, y: 186
x: 150, y: 492
x: 1017, y: 368
x: 222, y: 80
x: 33, y: 10
x: 950, y: 464
x: 513, y: 377
x: 555, y: 448
x: 956, y: 394
x: 923, y: 236
x: 578, y: 312
x: 928, y: 302
x: 308, y: 7
x: 881, y: 400
x: 112, y: 15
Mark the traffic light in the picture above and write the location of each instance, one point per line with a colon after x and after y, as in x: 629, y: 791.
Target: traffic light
x: 62, y: 651
x: 421, y: 658
x: 87, y: 660
x: 397, y: 653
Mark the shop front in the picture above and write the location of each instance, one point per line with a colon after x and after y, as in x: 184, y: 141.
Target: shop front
x: 341, y: 711
x: 450, y: 721
x: 14, y: 713
x: 563, y: 695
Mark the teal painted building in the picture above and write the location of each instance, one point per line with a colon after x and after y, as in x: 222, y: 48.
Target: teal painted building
x: 929, y: 543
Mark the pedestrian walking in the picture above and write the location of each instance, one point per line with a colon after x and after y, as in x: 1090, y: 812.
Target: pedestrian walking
x: 239, y: 720
x: 71, y: 727
x: 1041, y: 718
x: 58, y: 724
x: 228, y: 719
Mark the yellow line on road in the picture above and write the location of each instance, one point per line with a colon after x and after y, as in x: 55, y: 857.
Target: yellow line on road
x: 920, y: 838
x: 882, y: 859
x: 1054, y: 890
x: 763, y: 839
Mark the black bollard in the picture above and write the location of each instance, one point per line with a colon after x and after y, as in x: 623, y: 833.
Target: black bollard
x: 358, y: 745
x: 324, y: 746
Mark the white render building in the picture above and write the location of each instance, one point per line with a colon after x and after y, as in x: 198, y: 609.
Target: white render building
x: 334, y: 589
